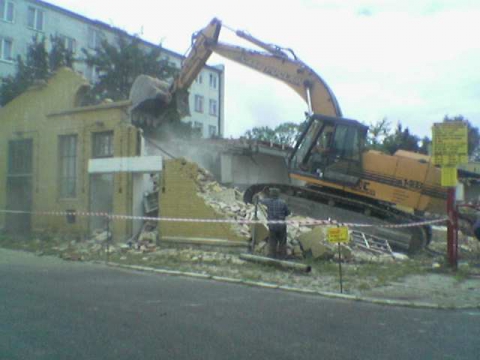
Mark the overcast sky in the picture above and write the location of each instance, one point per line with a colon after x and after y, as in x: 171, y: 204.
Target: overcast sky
x: 412, y: 61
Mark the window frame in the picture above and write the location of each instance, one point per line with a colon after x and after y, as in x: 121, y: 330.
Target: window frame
x: 20, y: 157
x: 3, y: 41
x: 210, y: 132
x: 95, y: 37
x: 95, y: 145
x: 213, y: 107
x: 34, y: 26
x: 66, y: 40
x: 198, y: 127
x: 199, y: 102
x: 64, y: 156
x: 6, y: 4
x: 213, y: 81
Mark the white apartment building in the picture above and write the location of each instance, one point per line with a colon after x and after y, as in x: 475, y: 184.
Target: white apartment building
x: 21, y: 20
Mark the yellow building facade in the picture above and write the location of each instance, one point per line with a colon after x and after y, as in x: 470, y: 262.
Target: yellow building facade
x: 46, y: 141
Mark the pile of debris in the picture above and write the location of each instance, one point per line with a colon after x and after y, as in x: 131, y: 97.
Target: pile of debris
x: 302, y: 241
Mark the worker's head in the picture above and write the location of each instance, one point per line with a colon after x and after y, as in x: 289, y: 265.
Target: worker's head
x: 274, y: 192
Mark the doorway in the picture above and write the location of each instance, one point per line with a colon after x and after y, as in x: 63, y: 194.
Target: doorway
x: 101, y: 199
x: 19, y: 186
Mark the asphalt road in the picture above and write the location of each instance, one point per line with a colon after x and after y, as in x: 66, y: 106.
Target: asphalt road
x: 51, y: 309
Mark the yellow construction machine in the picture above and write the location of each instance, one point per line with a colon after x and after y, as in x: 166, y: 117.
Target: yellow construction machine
x: 329, y: 162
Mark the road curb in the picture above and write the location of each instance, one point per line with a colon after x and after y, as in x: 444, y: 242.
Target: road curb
x: 378, y: 301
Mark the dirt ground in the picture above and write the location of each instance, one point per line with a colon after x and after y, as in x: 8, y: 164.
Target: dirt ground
x: 426, y: 278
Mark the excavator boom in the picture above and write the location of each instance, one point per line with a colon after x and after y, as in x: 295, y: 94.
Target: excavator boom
x: 274, y: 62
x: 330, y: 158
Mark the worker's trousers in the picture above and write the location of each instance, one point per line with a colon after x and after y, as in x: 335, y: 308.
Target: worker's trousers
x: 277, y: 241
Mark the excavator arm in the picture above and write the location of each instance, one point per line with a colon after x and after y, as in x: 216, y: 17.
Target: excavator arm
x: 276, y: 62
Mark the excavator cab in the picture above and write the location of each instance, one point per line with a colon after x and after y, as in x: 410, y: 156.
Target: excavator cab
x: 330, y: 149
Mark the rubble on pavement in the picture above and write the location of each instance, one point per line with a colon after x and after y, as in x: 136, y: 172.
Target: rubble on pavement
x: 302, y: 241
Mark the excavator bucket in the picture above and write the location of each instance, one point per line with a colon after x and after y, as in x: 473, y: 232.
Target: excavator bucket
x: 153, y: 104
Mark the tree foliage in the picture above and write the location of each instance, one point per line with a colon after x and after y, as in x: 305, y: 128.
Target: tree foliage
x: 38, y: 65
x: 284, y: 134
x: 401, y: 139
x: 381, y: 137
x: 377, y: 133
x: 117, y: 66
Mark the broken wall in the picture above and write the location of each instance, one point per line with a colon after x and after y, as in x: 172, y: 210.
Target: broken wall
x: 179, y: 199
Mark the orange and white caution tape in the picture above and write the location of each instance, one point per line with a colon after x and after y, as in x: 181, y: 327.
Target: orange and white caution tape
x: 311, y: 222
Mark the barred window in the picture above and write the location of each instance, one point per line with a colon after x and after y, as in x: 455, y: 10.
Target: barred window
x: 67, y: 151
x: 102, y: 144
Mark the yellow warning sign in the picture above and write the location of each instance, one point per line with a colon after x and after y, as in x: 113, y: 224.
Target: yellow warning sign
x: 450, y: 143
x: 449, y: 176
x: 338, y: 234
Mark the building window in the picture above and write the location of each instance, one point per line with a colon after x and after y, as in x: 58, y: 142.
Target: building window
x: 102, y: 144
x: 199, y: 103
x: 20, y: 157
x: 198, y: 128
x: 69, y: 43
x: 213, y: 107
x: 6, y: 49
x: 213, y: 81
x: 91, y: 73
x: 7, y: 9
x: 95, y: 38
x: 199, y: 79
x: 212, y: 130
x: 67, y: 151
x: 36, y: 18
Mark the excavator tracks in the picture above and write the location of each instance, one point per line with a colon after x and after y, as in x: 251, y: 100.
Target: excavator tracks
x: 323, y: 203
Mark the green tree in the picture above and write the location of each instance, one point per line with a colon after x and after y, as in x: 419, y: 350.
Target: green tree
x: 284, y: 134
x: 118, y: 65
x: 38, y: 66
x: 59, y: 55
x: 263, y: 133
x: 287, y: 133
x: 377, y: 133
x: 425, y: 145
x: 473, y: 133
x: 401, y: 139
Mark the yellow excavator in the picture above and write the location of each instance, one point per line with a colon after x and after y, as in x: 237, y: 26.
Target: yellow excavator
x: 329, y: 162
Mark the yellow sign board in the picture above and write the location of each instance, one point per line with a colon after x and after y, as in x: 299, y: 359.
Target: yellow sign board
x: 449, y: 176
x: 338, y: 234
x: 450, y: 143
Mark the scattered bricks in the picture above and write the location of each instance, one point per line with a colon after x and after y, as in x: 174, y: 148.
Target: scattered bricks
x: 314, y: 244
x: 148, y: 237
x: 71, y: 257
x: 101, y: 236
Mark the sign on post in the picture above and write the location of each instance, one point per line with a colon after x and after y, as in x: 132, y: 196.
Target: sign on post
x: 338, y: 234
x: 449, y: 176
x: 450, y: 149
x: 450, y: 143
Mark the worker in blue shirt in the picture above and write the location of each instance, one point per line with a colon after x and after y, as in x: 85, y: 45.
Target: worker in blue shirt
x: 277, y: 209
